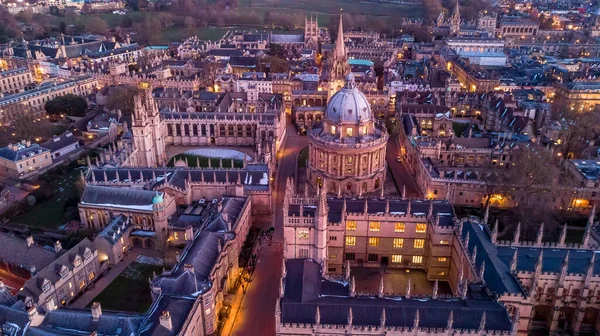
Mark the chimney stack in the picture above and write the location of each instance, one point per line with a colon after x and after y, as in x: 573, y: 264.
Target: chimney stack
x: 29, y: 240
x: 96, y: 311
x: 57, y: 246
x: 165, y: 320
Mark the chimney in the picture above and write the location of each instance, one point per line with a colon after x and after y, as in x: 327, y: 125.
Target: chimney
x: 96, y: 311
x: 165, y: 320
x: 57, y: 246
x: 29, y: 240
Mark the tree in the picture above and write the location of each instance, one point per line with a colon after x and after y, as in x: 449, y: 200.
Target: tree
x: 96, y: 25
x: 578, y: 125
x: 68, y: 104
x: 121, y: 98
x: 24, y: 126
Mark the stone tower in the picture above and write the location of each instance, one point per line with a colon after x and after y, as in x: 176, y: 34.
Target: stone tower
x: 147, y: 136
x: 321, y: 220
x: 338, y: 64
x: 311, y: 32
x: 455, y: 21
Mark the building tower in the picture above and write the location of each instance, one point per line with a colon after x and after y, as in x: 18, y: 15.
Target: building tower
x: 338, y: 63
x: 321, y: 221
x: 347, y: 147
x: 311, y: 32
x: 487, y: 23
x: 455, y: 21
x: 440, y: 20
x: 147, y: 137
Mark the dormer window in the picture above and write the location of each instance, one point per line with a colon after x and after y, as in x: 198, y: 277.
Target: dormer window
x: 332, y: 129
x: 46, y: 286
x: 87, y: 254
x: 77, y: 261
x: 64, y: 272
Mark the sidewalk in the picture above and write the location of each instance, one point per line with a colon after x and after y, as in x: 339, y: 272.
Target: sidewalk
x: 109, y: 276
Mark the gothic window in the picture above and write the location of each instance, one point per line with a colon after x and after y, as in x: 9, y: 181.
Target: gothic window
x: 222, y: 130
x: 186, y: 130
x: 170, y: 130
x: 195, y: 130
x: 177, y: 129
x: 203, y: 130
x: 230, y: 130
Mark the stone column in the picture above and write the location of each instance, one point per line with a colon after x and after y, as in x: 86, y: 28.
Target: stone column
x: 578, y: 318
x: 554, y: 322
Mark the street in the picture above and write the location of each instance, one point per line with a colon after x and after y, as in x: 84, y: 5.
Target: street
x: 400, y: 173
x: 257, y: 312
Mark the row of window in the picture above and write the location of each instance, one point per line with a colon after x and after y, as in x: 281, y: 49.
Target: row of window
x: 396, y: 258
x: 398, y: 242
x: 376, y: 227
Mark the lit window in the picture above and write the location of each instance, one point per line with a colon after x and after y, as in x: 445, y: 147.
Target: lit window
x: 398, y: 242
x: 399, y: 227
x: 442, y: 259
x: 441, y: 273
x: 374, y: 226
x: 350, y: 159
x: 419, y: 243
x: 417, y: 259
x: 444, y: 242
x: 396, y: 258
x: 351, y: 225
x: 350, y: 241
x: 373, y: 241
x: 349, y: 131
x: 332, y: 129
x: 332, y: 256
x: 207, y: 311
x: 303, y: 234
x: 421, y: 228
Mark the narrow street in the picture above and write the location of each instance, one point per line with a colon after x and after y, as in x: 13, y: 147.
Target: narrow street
x: 257, y: 312
x: 399, y: 171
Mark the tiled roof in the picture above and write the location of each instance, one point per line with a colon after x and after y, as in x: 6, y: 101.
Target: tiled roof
x: 21, y: 152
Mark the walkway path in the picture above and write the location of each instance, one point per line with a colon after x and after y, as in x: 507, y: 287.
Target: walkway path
x: 400, y: 172
x: 111, y: 275
x: 256, y: 314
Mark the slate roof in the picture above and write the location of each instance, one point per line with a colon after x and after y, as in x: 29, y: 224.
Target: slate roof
x: 305, y: 289
x: 376, y: 206
x: 101, y: 195
x: 15, y: 251
x: 75, y: 322
x: 177, y: 306
x: 203, y: 252
x: 242, y: 61
x: 16, y: 316
x: 60, y: 142
x: 117, y: 226
x: 22, y: 152
x: 250, y: 177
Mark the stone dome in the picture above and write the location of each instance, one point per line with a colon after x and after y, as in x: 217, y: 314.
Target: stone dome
x: 348, y: 105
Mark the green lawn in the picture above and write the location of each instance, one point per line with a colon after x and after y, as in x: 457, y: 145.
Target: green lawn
x: 333, y: 7
x: 194, y: 159
x: 50, y: 213
x: 130, y: 290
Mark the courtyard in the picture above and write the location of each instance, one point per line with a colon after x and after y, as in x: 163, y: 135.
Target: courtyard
x: 130, y: 290
x: 395, y: 281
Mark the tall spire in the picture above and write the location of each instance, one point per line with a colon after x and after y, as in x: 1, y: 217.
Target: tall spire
x: 340, y: 49
x: 323, y: 208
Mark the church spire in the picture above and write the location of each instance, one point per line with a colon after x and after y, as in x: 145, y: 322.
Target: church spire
x: 340, y: 49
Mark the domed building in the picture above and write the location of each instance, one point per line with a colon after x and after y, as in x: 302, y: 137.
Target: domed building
x: 347, y: 147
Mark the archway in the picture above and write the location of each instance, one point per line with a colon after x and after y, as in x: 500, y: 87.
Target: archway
x: 384, y: 262
x: 137, y: 242
x: 541, y: 317
x: 349, y: 186
x: 377, y: 183
x: 150, y: 244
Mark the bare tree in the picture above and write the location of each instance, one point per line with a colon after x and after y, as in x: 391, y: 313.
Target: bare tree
x: 25, y: 127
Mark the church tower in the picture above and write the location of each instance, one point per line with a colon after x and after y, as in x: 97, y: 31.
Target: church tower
x: 311, y: 32
x: 147, y: 136
x: 338, y: 64
x: 455, y: 21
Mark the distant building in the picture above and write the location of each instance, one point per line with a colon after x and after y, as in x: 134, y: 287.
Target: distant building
x: 23, y: 158
x: 61, y: 145
x: 115, y: 240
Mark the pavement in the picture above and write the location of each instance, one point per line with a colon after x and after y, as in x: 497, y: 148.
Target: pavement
x: 256, y: 313
x: 87, y: 297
